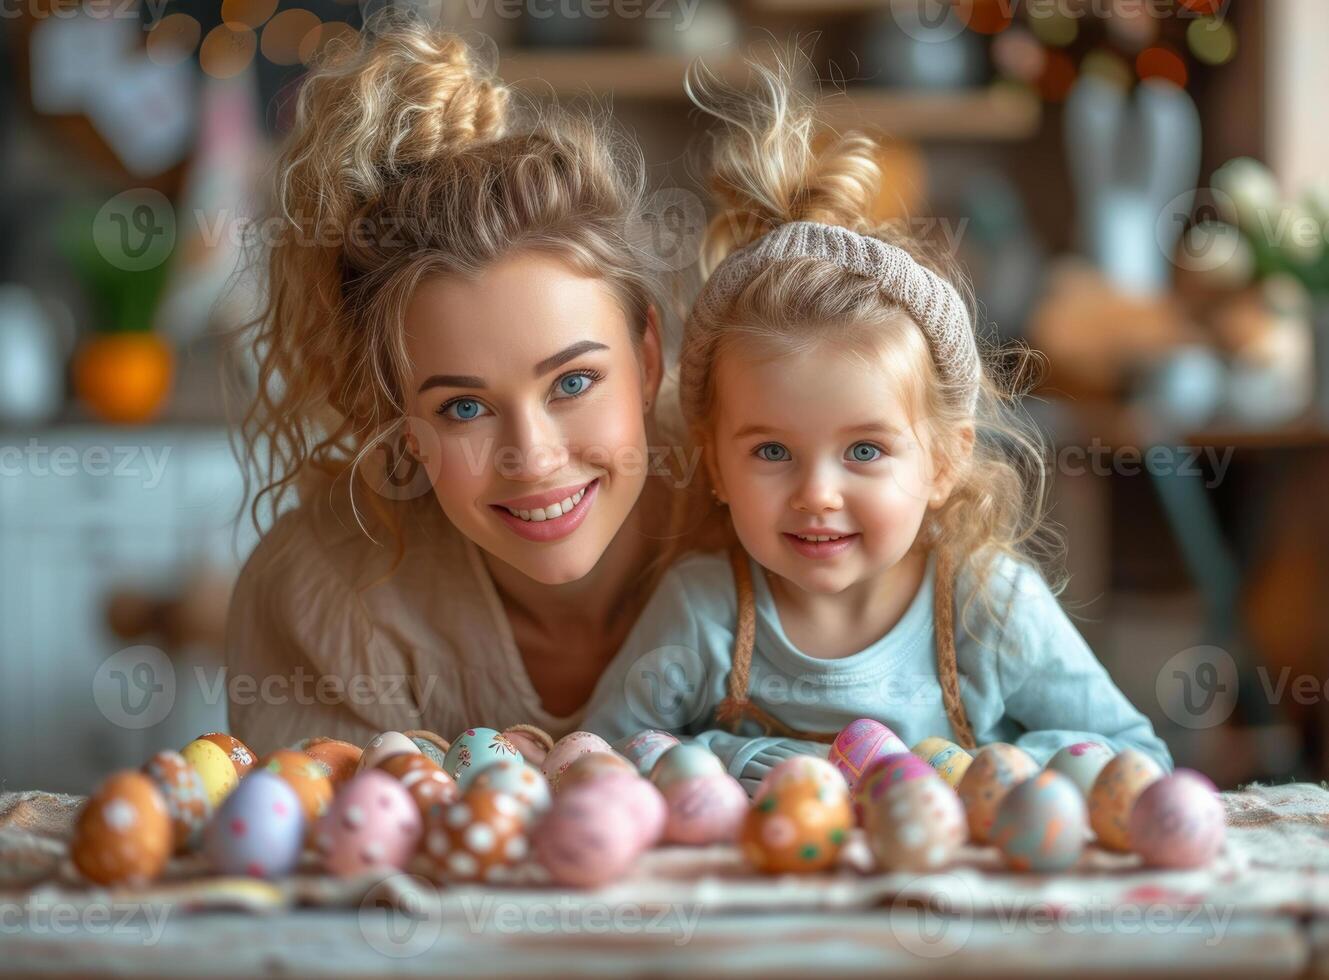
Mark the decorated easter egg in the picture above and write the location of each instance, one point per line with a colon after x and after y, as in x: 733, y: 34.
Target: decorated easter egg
x: 916, y: 825
x: 885, y: 773
x: 1114, y: 793
x: 1177, y: 821
x: 123, y: 834
x: 949, y: 760
x: 533, y: 743
x: 587, y: 838
x: 1042, y: 824
x: 424, y: 779
x: 684, y: 761
x: 797, y: 827
x: 241, y: 756
x: 259, y: 830
x: 384, y: 745
x: 214, y: 767
x: 568, y: 750
x: 372, y: 823
x: 1081, y: 763
x: 305, y: 775
x: 341, y: 760
x: 431, y: 746
x: 859, y: 745
x: 799, y: 770
x: 475, y: 749
x: 520, y: 780
x: 185, y: 796
x: 704, y: 810
x: 592, y: 766
x: 481, y: 837
x: 644, y: 749
x: 995, y: 769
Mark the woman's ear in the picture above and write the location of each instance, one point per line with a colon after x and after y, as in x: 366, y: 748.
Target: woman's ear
x: 652, y: 357
x: 950, y: 468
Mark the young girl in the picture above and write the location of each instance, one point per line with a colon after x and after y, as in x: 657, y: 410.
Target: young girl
x: 830, y: 374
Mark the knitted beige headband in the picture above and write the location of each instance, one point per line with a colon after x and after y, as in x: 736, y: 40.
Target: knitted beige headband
x: 931, y: 300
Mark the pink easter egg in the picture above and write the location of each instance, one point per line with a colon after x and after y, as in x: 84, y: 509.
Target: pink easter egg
x: 644, y: 801
x: 371, y: 823
x: 705, y: 810
x: 645, y: 748
x: 884, y: 774
x: 587, y: 838
x: 567, y: 750
x: 859, y: 745
x: 1178, y: 822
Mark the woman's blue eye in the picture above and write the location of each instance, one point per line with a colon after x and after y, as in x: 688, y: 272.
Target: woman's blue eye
x: 572, y: 385
x: 864, y: 452
x: 462, y: 410
x: 772, y: 452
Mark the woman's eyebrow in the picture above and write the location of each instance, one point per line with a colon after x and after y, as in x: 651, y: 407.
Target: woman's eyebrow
x: 452, y: 381
x: 567, y: 354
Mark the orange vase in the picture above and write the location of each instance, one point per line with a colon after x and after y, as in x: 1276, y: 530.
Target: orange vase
x: 124, y: 378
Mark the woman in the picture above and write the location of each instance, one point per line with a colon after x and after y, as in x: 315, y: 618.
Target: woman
x: 457, y: 282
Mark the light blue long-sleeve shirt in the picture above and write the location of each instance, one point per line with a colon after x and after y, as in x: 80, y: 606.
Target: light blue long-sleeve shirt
x: 1026, y: 675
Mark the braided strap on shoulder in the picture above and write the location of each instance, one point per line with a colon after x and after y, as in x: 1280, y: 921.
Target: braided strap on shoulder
x: 947, y: 669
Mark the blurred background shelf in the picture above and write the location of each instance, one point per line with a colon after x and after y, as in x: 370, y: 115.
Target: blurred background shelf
x: 996, y: 113
x: 621, y: 72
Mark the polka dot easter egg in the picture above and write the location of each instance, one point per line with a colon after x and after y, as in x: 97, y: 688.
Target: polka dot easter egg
x: 383, y: 746
x: 1114, y: 793
x: 916, y: 825
x: 588, y: 838
x: 644, y: 749
x: 704, y: 810
x: 482, y: 837
x: 801, y: 827
x: 1042, y: 824
x: 859, y: 745
x: 1178, y: 821
x: 214, y: 767
x: 341, y: 760
x: 684, y: 761
x: 306, y: 776
x: 427, y: 783
x: 1081, y: 763
x: 520, y: 780
x: 123, y: 835
x: 241, y: 756
x: 995, y: 770
x: 885, y: 774
x: 568, y: 750
x: 474, y: 750
x: 259, y: 830
x: 372, y: 824
x: 186, y: 798
x: 949, y: 760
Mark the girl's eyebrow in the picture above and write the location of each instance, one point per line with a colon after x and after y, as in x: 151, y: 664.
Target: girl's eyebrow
x: 544, y: 367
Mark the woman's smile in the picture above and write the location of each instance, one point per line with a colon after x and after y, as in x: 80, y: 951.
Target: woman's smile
x: 548, y: 516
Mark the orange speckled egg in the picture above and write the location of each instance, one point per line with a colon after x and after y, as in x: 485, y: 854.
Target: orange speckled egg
x: 1114, y: 793
x: 424, y: 779
x: 340, y: 759
x: 185, y: 796
x: 241, y: 756
x: 307, y: 776
x: 214, y: 766
x: 996, y: 770
x: 479, y: 838
x: 123, y: 834
x: 587, y: 767
x: 800, y: 827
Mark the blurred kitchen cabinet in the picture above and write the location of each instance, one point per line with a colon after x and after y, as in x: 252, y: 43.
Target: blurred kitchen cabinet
x: 83, y: 512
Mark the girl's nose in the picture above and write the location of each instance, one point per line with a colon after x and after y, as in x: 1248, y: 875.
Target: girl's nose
x: 817, y: 493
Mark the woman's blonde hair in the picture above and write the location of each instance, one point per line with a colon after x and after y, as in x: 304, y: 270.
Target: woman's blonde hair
x: 409, y: 159
x: 771, y: 165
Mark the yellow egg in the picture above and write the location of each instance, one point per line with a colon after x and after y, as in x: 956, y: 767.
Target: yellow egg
x: 1114, y: 793
x: 950, y: 761
x: 215, y: 766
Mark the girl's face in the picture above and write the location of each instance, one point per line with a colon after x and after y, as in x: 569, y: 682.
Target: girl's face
x: 823, y: 469
x: 527, y: 399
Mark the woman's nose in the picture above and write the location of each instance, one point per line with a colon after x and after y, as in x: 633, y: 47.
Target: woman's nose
x: 537, y: 447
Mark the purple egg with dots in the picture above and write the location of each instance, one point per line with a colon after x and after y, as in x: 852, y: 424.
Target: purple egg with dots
x: 859, y: 745
x: 1178, y: 821
x: 258, y: 830
x: 372, y: 823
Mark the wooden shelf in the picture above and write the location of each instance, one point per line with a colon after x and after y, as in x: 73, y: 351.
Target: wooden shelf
x: 627, y: 73
x: 994, y: 114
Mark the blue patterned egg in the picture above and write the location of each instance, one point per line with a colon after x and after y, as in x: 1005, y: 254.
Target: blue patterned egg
x: 1081, y: 763
x: 1042, y: 824
x: 684, y: 762
x: 473, y: 751
x: 259, y: 829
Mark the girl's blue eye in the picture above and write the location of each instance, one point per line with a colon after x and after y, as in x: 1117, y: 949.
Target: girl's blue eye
x: 864, y: 452
x: 772, y: 452
x: 577, y: 383
x: 462, y: 409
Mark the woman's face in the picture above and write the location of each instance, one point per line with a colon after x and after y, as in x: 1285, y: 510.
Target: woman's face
x: 527, y: 396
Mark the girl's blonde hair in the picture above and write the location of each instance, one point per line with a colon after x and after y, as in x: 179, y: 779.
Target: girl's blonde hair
x: 409, y: 159
x: 770, y: 165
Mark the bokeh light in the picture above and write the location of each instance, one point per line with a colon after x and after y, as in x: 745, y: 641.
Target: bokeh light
x: 1018, y: 54
x: 316, y: 42
x: 1054, y: 27
x: 173, y: 39
x: 988, y: 16
x: 238, y: 14
x: 1212, y: 41
x: 1058, y: 77
x: 285, y: 33
x: 1109, y: 66
x: 1207, y: 7
x: 227, y: 52
x: 1164, y: 63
